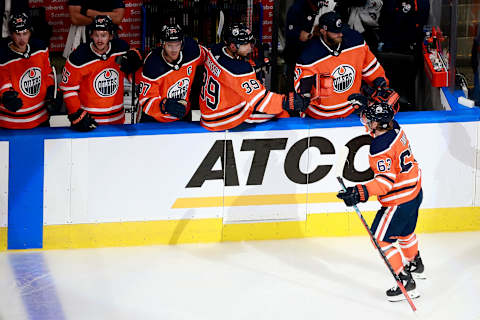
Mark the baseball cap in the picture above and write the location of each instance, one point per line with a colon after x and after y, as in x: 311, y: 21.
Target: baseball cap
x: 331, y: 22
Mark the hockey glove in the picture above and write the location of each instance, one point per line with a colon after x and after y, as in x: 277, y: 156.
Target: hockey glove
x: 354, y: 195
x: 358, y: 101
x: 82, y: 121
x: 52, y: 104
x: 295, y: 102
x: 11, y: 101
x: 388, y: 96
x: 380, y: 83
x: 131, y: 61
x: 174, y: 107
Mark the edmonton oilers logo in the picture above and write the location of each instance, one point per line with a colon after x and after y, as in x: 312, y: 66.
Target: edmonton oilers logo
x: 106, y: 82
x: 179, y: 89
x: 343, y: 78
x: 31, y: 81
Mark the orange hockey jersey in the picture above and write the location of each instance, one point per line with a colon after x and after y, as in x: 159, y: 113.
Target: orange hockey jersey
x: 30, y: 75
x: 397, y: 176
x: 160, y: 79
x: 354, y: 63
x: 231, y: 93
x: 95, y: 83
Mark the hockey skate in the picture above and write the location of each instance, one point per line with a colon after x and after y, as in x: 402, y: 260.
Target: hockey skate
x: 395, y: 293
x: 416, y: 267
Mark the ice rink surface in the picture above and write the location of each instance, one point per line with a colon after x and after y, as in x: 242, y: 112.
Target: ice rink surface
x: 315, y: 278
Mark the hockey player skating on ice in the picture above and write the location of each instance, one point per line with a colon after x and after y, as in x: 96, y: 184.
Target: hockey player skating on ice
x: 397, y: 184
x: 168, y: 75
x: 342, y: 54
x: 92, y: 80
x: 231, y: 94
x: 27, y: 87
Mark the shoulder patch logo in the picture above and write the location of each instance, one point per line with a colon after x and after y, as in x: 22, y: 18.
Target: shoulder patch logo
x: 406, y: 7
x: 30, y: 82
x: 106, y: 83
x: 343, y: 78
x: 179, y: 89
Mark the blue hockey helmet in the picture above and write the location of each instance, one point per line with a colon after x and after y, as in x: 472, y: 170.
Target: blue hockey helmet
x: 379, y: 112
x: 237, y: 33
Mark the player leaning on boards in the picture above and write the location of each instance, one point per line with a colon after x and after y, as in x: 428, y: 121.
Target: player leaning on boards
x: 340, y: 53
x: 26, y: 81
x: 231, y: 94
x: 168, y: 74
x: 397, y: 183
x: 92, y: 80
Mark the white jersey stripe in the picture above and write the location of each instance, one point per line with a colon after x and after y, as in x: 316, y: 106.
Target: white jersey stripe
x: 387, y: 222
x: 370, y: 65
x: 109, y: 120
x: 6, y: 85
x: 404, y: 246
x: 70, y: 94
x: 19, y: 112
x: 372, y: 71
x: 41, y: 114
x: 218, y: 124
x: 149, y: 105
x: 385, y: 182
x: 219, y: 114
x: 329, y: 114
x: 400, y: 195
x: 103, y: 110
x: 407, y: 181
x: 69, y: 88
x: 265, y: 102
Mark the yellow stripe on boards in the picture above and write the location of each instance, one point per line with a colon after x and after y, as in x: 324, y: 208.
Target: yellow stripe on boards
x: 429, y: 220
x: 213, y: 230
x: 119, y: 234
x: 339, y: 224
x: 202, y: 202
x: 3, y: 238
x: 449, y: 220
x: 264, y: 230
x: 255, y: 200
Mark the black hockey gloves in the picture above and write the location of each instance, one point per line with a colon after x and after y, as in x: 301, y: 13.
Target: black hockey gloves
x: 174, y: 107
x: 52, y: 103
x: 358, y: 102
x: 354, y: 195
x: 82, y: 121
x: 295, y: 102
x: 380, y: 83
x: 11, y: 101
x: 130, y: 61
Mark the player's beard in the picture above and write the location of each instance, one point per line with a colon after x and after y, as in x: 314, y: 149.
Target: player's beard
x: 243, y: 52
x: 333, y: 42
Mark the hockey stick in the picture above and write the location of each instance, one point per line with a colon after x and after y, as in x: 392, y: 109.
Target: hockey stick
x: 54, y: 82
x: 342, y: 158
x: 221, y: 22
x: 134, y: 89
